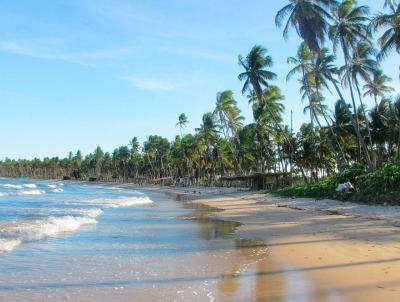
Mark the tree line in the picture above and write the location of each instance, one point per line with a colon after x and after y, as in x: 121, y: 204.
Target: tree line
x: 342, y: 46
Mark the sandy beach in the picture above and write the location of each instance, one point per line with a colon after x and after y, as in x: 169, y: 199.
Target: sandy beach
x: 331, y: 251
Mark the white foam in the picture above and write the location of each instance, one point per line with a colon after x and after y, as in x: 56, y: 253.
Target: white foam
x: 122, y: 202
x: 7, y: 245
x: 3, y: 194
x: 31, y: 192
x: 12, y: 186
x: 58, y: 190
x: 91, y: 213
x: 30, y: 186
x: 53, y: 186
x: 15, y: 233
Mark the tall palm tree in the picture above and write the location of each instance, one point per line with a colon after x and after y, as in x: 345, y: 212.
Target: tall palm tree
x: 229, y: 118
x: 349, y: 26
x: 321, y: 70
x: 326, y: 73
x: 362, y: 65
x: 376, y: 86
x: 390, y: 39
x: 256, y: 77
x: 390, y: 3
x: 208, y: 136
x: 182, y: 122
x: 228, y: 113
x: 309, y: 18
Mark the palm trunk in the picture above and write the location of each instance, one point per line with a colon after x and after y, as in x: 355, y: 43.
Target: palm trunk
x: 331, y: 130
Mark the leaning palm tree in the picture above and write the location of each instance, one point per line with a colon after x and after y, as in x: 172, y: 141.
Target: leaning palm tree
x: 228, y: 113
x: 256, y: 76
x: 229, y: 118
x: 309, y: 18
x: 326, y: 73
x: 320, y: 69
x: 182, y: 122
x: 391, y: 4
x: 348, y: 27
x: 376, y: 86
x: 390, y: 38
x: 361, y: 66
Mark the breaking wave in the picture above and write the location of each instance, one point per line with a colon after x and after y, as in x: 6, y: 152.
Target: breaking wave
x: 122, y: 202
x: 18, y: 232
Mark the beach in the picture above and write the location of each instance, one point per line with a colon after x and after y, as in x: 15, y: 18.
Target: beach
x: 200, y: 244
x: 320, y: 250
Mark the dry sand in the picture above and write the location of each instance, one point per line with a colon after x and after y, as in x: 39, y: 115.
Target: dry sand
x: 314, y: 254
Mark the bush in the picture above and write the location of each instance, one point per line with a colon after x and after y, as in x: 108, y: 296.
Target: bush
x: 381, y: 186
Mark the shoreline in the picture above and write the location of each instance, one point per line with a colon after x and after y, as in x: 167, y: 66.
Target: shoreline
x: 316, y: 251
x: 343, y: 255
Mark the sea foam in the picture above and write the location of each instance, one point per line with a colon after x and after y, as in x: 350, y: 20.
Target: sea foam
x: 17, y: 232
x: 12, y: 186
x: 122, y: 202
x: 30, y: 186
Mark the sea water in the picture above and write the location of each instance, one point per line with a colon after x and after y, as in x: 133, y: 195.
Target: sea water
x: 87, y: 242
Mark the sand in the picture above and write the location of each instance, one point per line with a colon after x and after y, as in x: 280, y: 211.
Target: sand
x: 329, y: 251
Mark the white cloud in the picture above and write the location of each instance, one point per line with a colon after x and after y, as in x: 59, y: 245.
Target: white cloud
x: 151, y: 84
x: 50, y: 53
x: 202, y: 54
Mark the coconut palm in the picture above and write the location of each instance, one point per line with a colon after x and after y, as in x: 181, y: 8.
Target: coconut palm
x: 390, y: 39
x: 182, y: 122
x: 228, y: 113
x: 256, y: 77
x: 390, y: 3
x: 309, y: 18
x: 361, y: 66
x: 376, y: 86
x: 349, y: 26
x: 326, y: 72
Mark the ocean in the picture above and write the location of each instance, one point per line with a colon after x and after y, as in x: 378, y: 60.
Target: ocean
x: 67, y: 241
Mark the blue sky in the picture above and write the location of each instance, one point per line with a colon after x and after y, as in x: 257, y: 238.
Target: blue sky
x: 76, y: 74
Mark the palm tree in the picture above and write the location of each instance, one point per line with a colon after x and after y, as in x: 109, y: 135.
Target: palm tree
x: 182, y: 122
x: 349, y: 26
x: 315, y: 74
x: 256, y: 76
x: 390, y: 3
x: 309, y: 18
x: 376, y: 87
x: 390, y: 39
x: 228, y: 113
x: 362, y: 65
x: 325, y: 73
x: 208, y: 137
x: 229, y: 118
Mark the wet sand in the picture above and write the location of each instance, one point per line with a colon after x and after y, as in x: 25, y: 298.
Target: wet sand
x: 312, y: 255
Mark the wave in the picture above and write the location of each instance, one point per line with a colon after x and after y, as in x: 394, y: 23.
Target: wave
x: 121, y: 202
x: 7, y: 245
x: 57, y: 190
x: 30, y: 186
x: 15, y: 233
x: 12, y: 186
x: 29, y: 192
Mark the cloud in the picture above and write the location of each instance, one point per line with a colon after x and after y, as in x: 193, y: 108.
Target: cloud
x: 151, y: 84
x: 80, y: 57
x: 202, y: 54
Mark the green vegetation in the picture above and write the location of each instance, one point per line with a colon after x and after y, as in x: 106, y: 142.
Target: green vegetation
x: 338, y: 55
x: 380, y: 186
